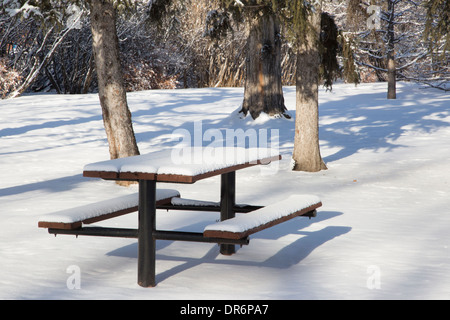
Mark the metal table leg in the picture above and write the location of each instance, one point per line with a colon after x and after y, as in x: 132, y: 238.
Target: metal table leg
x: 147, y: 243
x: 227, y: 203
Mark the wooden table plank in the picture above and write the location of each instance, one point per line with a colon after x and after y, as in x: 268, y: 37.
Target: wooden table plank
x: 162, y: 170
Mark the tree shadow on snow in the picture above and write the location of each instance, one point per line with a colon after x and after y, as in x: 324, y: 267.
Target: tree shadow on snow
x: 287, y: 256
x: 370, y: 121
x: 52, y: 185
x: 349, y: 122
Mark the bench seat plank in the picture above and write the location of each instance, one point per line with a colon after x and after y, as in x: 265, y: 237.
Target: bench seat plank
x: 244, y: 225
x: 74, y: 218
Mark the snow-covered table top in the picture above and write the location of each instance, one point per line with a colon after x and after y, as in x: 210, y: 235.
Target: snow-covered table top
x: 181, y: 165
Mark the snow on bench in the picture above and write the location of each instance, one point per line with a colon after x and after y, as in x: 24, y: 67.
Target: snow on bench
x: 74, y: 218
x: 244, y: 225
x: 178, y: 203
x: 194, y: 203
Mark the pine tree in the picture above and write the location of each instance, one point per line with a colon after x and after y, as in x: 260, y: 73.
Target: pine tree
x: 307, y: 24
x: 437, y: 36
x: 263, y: 90
x: 437, y: 26
x: 403, y: 44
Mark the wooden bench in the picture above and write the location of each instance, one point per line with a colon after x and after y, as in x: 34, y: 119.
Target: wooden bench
x: 255, y: 219
x: 244, y: 225
x: 159, y: 167
x: 74, y: 218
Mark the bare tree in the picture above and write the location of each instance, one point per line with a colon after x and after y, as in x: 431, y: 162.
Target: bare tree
x: 112, y: 94
x: 390, y: 52
x: 43, y: 54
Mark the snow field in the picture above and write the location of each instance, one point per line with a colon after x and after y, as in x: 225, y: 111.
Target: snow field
x: 382, y: 232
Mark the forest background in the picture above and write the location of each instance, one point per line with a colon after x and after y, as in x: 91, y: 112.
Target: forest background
x: 179, y: 50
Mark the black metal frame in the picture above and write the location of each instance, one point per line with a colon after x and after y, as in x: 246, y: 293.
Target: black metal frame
x: 97, y: 232
x: 146, y: 241
x: 238, y: 208
x: 147, y: 233
x: 157, y: 235
x: 227, y: 204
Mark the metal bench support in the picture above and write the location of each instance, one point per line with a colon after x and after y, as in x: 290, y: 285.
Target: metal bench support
x: 227, y: 204
x: 157, y: 234
x: 147, y: 224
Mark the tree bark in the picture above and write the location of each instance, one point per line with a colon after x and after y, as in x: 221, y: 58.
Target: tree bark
x: 306, y: 154
x: 112, y: 94
x: 392, y: 92
x: 263, y: 88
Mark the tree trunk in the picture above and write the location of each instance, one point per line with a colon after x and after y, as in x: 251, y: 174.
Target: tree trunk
x: 391, y: 52
x: 112, y: 94
x: 306, y: 155
x: 263, y: 87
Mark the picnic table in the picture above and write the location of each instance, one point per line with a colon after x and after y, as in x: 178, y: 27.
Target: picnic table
x: 185, y: 167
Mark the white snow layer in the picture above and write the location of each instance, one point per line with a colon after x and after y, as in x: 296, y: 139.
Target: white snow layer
x: 191, y: 202
x: 382, y: 232
x: 185, y: 161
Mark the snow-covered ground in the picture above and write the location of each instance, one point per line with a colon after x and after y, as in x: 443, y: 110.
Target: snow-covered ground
x: 383, y: 231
